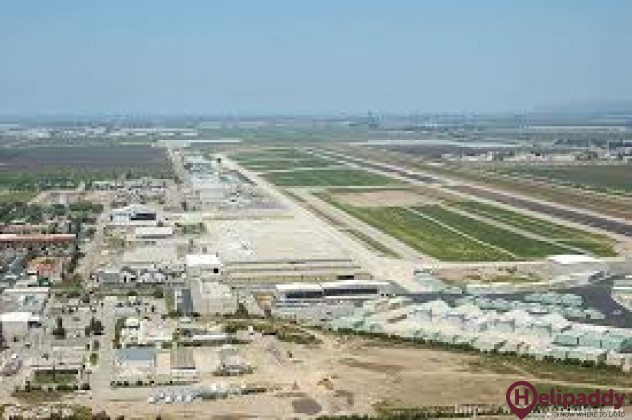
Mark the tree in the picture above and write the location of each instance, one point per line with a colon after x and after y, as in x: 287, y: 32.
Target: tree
x: 59, y: 331
x: 2, y: 340
x: 241, y: 310
x: 95, y: 327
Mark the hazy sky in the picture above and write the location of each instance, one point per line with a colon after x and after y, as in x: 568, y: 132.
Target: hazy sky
x: 300, y: 56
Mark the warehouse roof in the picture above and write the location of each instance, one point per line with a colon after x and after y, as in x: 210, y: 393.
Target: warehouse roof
x: 18, y: 317
x: 196, y: 260
x: 291, y: 287
x: 572, y: 259
x: 153, y: 231
x: 51, y: 237
x: 136, y: 354
x: 353, y: 283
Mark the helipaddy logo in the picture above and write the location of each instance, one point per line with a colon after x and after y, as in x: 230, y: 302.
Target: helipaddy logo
x: 522, y: 398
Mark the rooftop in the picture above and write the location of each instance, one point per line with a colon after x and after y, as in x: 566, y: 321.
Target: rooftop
x: 573, y: 259
x: 18, y: 317
x: 52, y: 237
x: 193, y: 260
x: 153, y: 231
x: 136, y: 354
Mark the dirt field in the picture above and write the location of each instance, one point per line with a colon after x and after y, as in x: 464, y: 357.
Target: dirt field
x: 464, y: 275
x: 385, y: 198
x: 340, y: 376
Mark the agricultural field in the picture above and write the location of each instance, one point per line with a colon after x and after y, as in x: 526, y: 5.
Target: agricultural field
x: 37, y: 168
x: 422, y: 234
x: 607, y: 178
x: 520, y: 246
x: 329, y: 177
x: 598, y: 245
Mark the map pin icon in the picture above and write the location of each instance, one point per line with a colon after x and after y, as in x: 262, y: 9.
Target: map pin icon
x: 529, y: 394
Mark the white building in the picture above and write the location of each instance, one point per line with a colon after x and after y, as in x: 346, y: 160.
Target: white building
x: 204, y: 266
x: 133, y: 214
x: 153, y: 232
x: 15, y: 325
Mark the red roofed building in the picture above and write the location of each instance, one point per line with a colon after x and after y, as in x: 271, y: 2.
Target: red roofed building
x: 13, y: 240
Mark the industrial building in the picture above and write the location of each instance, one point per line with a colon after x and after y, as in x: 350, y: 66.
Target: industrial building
x: 149, y: 233
x: 203, y: 266
x: 135, y: 358
x: 133, y: 214
x: 17, y: 241
x: 515, y: 331
x: 16, y: 325
x: 334, y: 290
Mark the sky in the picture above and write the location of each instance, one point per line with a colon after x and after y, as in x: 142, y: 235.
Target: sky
x: 90, y: 57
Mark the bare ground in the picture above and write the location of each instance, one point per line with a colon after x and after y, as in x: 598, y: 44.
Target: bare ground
x: 384, y: 198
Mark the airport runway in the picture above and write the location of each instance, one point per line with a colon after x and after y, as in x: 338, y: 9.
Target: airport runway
x: 595, y: 221
x: 578, y: 217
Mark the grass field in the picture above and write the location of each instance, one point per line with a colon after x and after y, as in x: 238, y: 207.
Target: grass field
x: 16, y: 196
x: 270, y: 154
x: 277, y: 164
x: 279, y: 159
x: 593, y: 243
x: 547, y: 370
x: 600, y: 177
x: 519, y: 245
x: 58, y: 378
x: 422, y: 234
x: 329, y: 177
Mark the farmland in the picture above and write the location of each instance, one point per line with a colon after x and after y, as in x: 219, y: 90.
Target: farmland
x: 66, y: 167
x: 596, y: 244
x: 612, y: 178
x: 329, y: 177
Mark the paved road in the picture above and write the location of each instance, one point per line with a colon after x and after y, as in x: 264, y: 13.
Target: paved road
x: 93, y: 247
x: 102, y: 373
